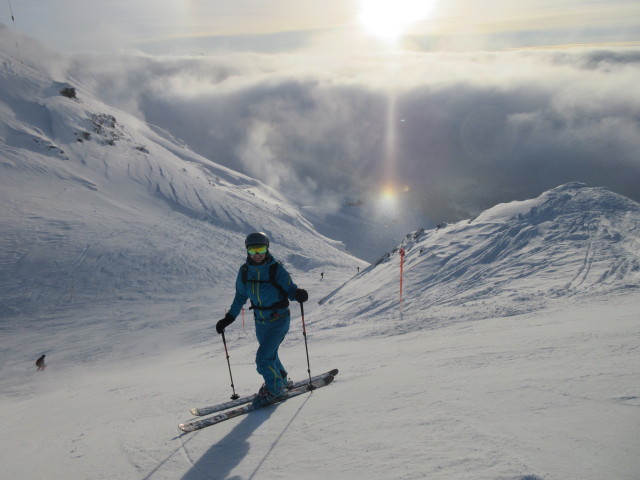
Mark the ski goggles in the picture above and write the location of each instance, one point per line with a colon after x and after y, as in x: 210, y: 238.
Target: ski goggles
x: 257, y: 250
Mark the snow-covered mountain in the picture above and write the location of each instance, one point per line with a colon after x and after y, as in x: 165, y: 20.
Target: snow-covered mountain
x: 572, y: 241
x: 514, y: 357
x: 100, y: 206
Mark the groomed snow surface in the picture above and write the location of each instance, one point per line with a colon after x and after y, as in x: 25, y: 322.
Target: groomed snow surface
x: 551, y: 394
x: 514, y: 354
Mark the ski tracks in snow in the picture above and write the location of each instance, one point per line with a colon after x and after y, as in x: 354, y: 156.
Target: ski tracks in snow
x: 589, y: 257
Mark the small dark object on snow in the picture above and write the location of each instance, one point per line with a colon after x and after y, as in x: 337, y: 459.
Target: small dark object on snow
x: 40, y: 363
x: 68, y: 92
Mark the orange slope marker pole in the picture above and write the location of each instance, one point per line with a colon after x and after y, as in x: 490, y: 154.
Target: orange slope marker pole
x: 402, y: 253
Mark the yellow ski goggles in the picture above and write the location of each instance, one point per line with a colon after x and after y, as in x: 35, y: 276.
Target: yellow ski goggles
x: 257, y: 250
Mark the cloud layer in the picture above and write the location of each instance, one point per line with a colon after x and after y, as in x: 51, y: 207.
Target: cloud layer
x: 452, y: 133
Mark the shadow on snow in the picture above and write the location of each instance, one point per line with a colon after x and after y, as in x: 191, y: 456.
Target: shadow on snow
x: 229, y: 452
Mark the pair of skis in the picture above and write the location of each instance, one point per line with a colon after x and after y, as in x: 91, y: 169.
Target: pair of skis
x: 245, y: 406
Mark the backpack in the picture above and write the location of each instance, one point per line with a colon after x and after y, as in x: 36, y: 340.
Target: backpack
x: 283, y: 302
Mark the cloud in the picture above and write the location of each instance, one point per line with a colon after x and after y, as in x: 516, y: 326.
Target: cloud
x: 32, y: 53
x: 458, y: 132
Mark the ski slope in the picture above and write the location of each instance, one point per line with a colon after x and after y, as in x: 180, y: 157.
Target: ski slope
x: 571, y: 241
x: 515, y: 354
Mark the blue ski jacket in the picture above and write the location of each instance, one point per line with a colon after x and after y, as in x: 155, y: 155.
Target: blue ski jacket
x: 255, y: 285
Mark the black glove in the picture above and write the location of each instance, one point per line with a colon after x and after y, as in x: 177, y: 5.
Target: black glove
x: 301, y: 295
x: 224, y: 323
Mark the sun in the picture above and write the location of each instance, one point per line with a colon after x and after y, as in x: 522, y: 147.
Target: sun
x: 390, y: 19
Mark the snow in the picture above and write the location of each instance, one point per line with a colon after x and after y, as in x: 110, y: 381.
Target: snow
x: 515, y: 354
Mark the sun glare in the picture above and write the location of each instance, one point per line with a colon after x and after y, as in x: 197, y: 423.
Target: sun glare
x: 390, y: 19
x: 387, y: 200
x: 388, y: 193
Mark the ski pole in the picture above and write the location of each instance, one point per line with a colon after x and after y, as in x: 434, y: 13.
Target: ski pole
x: 306, y: 347
x: 402, y: 254
x: 235, y: 395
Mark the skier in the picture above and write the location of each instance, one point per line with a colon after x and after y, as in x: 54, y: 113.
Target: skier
x: 267, y: 284
x: 40, y: 363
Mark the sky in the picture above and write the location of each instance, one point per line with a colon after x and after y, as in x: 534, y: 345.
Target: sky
x: 422, y: 112
x: 202, y: 26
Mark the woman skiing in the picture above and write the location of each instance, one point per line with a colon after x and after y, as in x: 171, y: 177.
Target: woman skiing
x: 266, y: 283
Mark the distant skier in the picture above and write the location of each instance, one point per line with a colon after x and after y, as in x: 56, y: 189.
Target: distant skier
x: 321, y: 275
x: 40, y: 363
x: 266, y: 283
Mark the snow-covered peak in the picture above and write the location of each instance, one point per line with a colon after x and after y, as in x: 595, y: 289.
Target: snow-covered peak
x: 572, y: 197
x: 571, y: 240
x: 504, y: 211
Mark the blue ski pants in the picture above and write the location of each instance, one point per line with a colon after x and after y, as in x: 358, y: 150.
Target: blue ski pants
x: 270, y: 335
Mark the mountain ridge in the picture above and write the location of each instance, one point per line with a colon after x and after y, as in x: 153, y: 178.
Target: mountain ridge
x: 570, y: 241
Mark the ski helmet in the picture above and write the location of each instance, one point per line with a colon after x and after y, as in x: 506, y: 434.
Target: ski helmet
x: 256, y: 238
